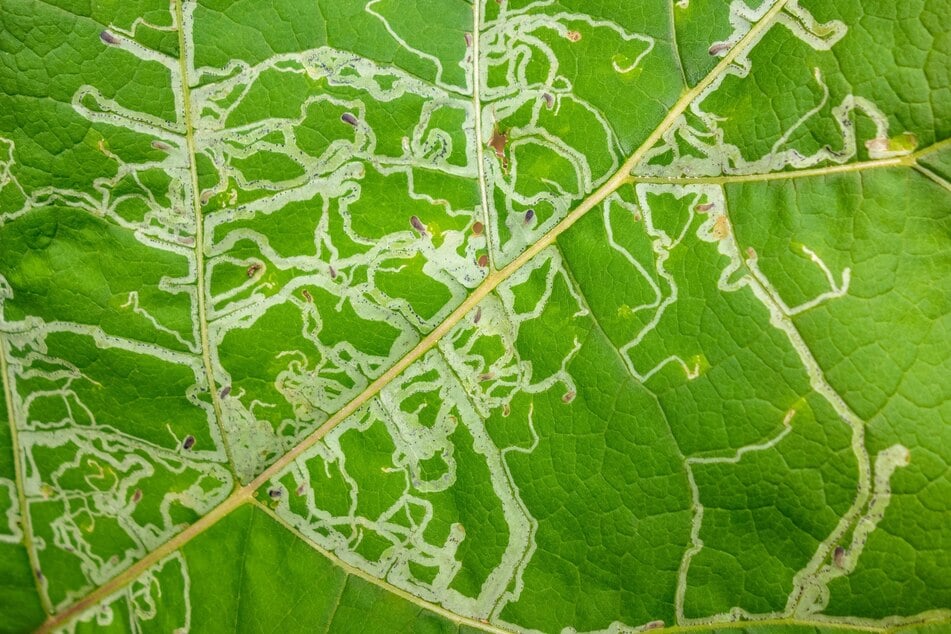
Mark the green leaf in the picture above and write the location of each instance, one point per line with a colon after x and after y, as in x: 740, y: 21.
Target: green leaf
x: 390, y: 315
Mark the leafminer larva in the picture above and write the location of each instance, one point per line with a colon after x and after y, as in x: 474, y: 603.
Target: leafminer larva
x: 418, y: 225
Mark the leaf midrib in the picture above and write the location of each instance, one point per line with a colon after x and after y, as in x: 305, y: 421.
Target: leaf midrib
x: 199, y: 235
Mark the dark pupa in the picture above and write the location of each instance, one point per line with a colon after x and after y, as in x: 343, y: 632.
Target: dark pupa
x: 549, y: 100
x: 306, y: 294
x: 838, y: 556
x: 274, y: 493
x: 161, y: 145
x: 478, y: 315
x: 569, y: 396
x: 137, y: 496
x: 483, y: 260
x: 418, y: 225
x: 333, y: 273
x: 225, y: 391
x: 478, y: 228
x: 254, y: 268
x: 529, y: 216
x: 719, y: 48
x: 349, y: 119
x: 189, y: 442
x: 301, y: 488
x: 108, y: 38
x: 39, y: 574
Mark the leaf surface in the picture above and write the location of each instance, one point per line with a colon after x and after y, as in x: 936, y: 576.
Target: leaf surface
x: 475, y: 316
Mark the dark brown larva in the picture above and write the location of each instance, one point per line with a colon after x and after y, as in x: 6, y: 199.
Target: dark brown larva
x: 838, y: 557
x: 418, y: 225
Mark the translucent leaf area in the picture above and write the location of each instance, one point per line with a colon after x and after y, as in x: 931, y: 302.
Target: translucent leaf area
x: 545, y: 316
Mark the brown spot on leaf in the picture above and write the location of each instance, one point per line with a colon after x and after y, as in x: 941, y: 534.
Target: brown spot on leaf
x: 306, y: 294
x: 483, y: 260
x: 136, y: 496
x: 721, y: 228
x: 573, y: 36
x: 569, y: 396
x: 478, y: 228
x: 254, y: 268
x: 498, y: 141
